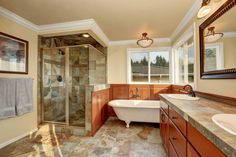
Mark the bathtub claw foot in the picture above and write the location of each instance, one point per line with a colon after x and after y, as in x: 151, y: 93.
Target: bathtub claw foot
x: 127, y: 124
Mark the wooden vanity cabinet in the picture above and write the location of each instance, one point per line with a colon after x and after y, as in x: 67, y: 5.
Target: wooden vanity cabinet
x: 203, y: 146
x: 172, y: 152
x: 191, y: 152
x: 177, y: 139
x: 178, y: 120
x: 180, y: 139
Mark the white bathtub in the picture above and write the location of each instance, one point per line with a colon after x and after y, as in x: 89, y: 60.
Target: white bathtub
x: 136, y: 110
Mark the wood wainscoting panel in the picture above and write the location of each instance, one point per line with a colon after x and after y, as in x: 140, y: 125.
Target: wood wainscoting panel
x: 139, y: 92
x: 218, y: 98
x: 117, y: 91
x: 176, y: 89
x: 100, y: 101
x: 120, y: 91
x: 156, y: 90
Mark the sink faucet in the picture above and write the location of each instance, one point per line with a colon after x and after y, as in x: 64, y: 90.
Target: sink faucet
x: 189, y: 90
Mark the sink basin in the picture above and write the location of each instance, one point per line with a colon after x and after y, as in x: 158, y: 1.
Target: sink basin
x: 226, y: 122
x: 183, y: 97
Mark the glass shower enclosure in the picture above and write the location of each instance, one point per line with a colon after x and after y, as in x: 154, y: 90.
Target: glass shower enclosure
x: 67, y: 71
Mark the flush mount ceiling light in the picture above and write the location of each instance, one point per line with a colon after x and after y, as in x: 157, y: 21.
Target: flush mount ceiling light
x: 86, y: 35
x: 205, y: 9
x: 211, y: 36
x: 144, y: 41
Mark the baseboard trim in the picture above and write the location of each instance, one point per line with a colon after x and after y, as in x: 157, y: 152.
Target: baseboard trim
x: 4, y: 144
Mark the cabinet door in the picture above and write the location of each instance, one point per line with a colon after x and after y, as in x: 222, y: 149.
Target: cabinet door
x: 164, y: 129
x: 172, y: 152
x: 191, y: 152
x: 204, y: 147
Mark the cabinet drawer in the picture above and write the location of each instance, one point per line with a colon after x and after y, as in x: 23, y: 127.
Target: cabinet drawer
x: 172, y: 152
x: 177, y: 139
x: 178, y: 121
x: 204, y: 147
x: 191, y: 152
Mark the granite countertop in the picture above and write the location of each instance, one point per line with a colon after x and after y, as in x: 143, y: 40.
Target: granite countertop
x: 199, y: 114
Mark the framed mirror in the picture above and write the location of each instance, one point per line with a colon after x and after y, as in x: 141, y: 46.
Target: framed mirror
x: 218, y: 43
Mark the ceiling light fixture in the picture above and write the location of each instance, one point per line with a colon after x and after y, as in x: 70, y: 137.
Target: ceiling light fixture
x: 86, y: 35
x: 211, y: 36
x: 205, y: 9
x: 145, y: 41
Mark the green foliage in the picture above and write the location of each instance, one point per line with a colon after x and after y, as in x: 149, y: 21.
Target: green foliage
x: 159, y: 61
x: 144, y: 61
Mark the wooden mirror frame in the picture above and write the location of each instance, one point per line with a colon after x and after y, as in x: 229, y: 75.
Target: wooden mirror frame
x: 217, y: 74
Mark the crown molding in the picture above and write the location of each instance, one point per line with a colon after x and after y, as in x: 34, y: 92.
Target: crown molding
x: 81, y: 25
x: 91, y: 25
x: 12, y: 16
x: 130, y: 42
x: 190, y: 14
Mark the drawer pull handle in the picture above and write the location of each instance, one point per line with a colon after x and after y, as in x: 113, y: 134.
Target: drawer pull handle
x: 174, y: 138
x: 174, y: 117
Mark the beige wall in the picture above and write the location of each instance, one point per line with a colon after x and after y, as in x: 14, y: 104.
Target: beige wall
x: 14, y: 127
x: 226, y: 87
x: 229, y: 52
x: 117, y: 62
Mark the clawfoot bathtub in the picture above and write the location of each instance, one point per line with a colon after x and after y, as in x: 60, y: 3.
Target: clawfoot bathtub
x: 136, y: 110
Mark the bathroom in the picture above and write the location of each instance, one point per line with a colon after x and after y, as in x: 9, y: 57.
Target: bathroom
x: 158, y: 81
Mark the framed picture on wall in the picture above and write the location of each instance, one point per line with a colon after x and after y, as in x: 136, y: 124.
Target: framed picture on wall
x: 13, y: 54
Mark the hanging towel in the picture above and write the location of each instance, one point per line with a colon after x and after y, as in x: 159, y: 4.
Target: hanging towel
x: 7, y: 98
x: 24, y: 95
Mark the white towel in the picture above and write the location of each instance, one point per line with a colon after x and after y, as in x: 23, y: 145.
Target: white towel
x: 24, y: 95
x: 7, y: 98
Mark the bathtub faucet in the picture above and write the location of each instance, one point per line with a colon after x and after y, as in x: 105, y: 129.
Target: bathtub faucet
x: 136, y: 95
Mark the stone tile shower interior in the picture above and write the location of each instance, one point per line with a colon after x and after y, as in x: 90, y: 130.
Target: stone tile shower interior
x: 68, y: 73
x: 120, y: 78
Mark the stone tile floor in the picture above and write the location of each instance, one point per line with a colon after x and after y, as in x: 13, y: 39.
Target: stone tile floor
x: 112, y: 140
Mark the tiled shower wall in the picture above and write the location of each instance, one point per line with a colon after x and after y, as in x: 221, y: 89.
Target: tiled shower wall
x: 97, y: 67
x: 78, y: 78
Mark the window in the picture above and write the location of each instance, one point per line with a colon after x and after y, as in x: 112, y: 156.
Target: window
x: 214, y: 57
x: 149, y: 66
x: 184, y: 62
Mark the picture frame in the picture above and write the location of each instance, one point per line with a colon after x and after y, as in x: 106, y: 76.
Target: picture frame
x: 13, y: 54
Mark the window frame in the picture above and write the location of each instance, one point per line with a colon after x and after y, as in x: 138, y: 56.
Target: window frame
x: 219, y: 53
x: 147, y: 50
x: 191, y: 32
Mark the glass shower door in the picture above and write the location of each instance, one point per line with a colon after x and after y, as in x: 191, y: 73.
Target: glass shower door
x: 54, y: 99
x: 78, y: 79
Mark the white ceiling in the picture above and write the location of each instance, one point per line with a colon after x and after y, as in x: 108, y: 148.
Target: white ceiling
x: 119, y: 19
